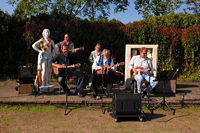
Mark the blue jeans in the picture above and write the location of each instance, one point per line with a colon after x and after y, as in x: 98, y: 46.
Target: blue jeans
x: 140, y: 79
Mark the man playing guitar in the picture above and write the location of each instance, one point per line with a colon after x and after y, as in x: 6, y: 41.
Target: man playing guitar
x: 70, y: 44
x: 103, y: 64
x: 66, y: 59
x: 141, y: 67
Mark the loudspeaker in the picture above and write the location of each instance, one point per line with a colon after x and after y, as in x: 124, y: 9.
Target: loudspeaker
x: 25, y: 80
x: 24, y: 71
x: 126, y: 104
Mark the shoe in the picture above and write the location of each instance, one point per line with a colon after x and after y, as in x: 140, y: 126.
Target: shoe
x: 144, y: 94
x: 107, y: 95
x: 94, y: 95
x: 67, y: 92
x: 97, y: 98
x: 80, y: 94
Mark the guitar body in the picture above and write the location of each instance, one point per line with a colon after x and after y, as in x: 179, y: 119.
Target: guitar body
x: 106, y: 68
x: 39, y: 77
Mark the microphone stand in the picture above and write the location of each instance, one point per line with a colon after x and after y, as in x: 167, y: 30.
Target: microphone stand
x: 102, y: 88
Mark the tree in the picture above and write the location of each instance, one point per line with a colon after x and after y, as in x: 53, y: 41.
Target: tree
x: 195, y: 6
x: 149, y: 8
x: 73, y: 8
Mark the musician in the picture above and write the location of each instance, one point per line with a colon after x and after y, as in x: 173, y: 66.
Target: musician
x: 68, y: 42
x: 142, y: 67
x: 99, y: 63
x: 95, y: 53
x: 66, y: 59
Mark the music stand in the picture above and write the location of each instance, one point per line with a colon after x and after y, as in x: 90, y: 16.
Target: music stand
x: 101, y: 79
x: 66, y: 72
x: 165, y: 76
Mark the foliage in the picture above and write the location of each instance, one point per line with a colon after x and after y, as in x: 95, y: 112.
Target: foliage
x: 72, y: 8
x: 156, y: 7
x: 12, y: 45
x: 190, y: 41
x: 181, y: 20
x: 167, y: 38
x: 195, y: 6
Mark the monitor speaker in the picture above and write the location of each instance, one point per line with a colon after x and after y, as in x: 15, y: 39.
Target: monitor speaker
x: 24, y: 71
x: 25, y: 75
x: 126, y: 104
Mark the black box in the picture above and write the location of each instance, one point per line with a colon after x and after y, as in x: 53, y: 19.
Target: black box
x: 25, y: 80
x: 126, y: 104
x: 24, y: 71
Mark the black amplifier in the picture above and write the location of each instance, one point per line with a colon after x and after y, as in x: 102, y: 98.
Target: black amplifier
x: 126, y: 104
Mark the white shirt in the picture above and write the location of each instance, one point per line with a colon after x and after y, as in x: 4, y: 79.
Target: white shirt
x: 137, y: 61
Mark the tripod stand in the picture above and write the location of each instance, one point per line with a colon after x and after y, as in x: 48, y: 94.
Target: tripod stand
x: 165, y: 76
x: 65, y: 72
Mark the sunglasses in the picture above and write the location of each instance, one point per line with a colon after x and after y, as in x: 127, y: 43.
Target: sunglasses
x: 66, y: 37
x: 144, y: 53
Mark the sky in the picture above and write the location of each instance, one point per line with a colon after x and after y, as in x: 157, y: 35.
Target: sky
x: 125, y: 17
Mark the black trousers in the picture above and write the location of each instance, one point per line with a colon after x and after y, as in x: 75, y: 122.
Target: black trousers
x: 79, y: 85
x: 102, y: 79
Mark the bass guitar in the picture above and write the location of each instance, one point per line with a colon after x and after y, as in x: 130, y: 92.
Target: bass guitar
x: 105, y: 69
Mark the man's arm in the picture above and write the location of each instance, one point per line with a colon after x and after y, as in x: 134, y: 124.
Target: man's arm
x: 95, y: 64
x: 131, y: 64
x: 113, y: 67
x: 91, y: 58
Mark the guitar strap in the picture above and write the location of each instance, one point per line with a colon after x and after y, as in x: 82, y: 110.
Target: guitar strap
x: 101, y: 61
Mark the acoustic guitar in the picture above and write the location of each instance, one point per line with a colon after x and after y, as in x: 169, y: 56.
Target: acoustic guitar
x: 39, y: 77
x: 107, y: 67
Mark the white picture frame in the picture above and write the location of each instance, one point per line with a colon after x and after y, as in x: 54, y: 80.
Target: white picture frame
x: 130, y: 50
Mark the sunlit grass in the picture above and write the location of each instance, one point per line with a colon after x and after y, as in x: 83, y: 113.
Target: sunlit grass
x: 44, y: 109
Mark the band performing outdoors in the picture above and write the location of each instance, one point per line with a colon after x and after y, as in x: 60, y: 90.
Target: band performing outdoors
x: 104, y: 70
x: 135, y: 82
x: 64, y: 61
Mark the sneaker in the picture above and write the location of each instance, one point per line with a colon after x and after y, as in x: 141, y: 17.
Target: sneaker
x: 94, y: 95
x: 144, y: 94
x: 107, y: 95
x: 97, y: 98
x: 80, y: 94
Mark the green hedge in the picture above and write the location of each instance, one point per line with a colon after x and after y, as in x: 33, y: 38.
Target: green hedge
x: 191, y: 44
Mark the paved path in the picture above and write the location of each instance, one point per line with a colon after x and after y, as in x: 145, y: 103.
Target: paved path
x: 190, y: 91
